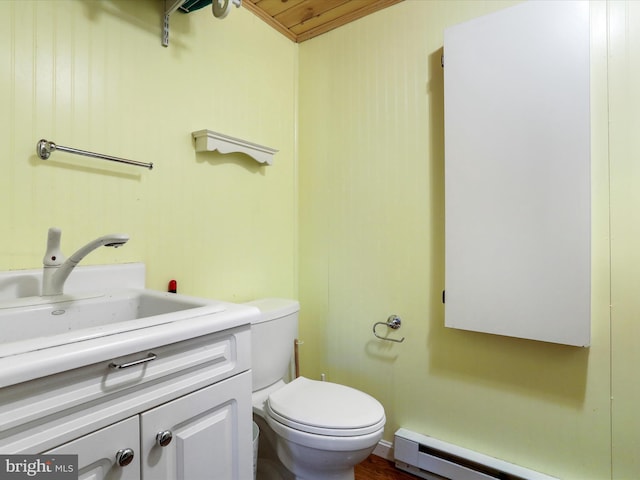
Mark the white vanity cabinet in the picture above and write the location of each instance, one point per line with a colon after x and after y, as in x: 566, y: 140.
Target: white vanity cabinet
x: 199, y: 390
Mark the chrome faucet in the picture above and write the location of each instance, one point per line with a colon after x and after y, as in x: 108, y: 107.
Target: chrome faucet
x: 57, y: 268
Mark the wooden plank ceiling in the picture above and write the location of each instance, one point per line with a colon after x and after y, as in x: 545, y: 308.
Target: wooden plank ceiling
x: 301, y: 20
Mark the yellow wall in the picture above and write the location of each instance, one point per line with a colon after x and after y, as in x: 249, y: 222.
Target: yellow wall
x: 624, y: 118
x: 372, y: 244
x: 94, y: 75
x: 369, y: 205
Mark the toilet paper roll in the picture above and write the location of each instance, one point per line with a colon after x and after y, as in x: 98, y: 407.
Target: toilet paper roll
x: 221, y: 8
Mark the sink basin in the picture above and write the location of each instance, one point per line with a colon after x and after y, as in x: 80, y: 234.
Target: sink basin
x: 35, y: 323
x: 105, y: 314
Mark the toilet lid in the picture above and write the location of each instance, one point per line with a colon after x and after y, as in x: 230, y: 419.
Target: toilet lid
x: 325, y: 408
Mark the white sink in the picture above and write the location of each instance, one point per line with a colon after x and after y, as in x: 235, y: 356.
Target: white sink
x: 118, y: 317
x: 34, y: 323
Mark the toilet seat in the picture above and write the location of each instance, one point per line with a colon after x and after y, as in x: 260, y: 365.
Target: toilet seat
x: 325, y: 408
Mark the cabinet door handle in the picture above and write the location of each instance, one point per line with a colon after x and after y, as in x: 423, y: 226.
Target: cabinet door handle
x: 164, y: 438
x: 148, y: 358
x: 124, y: 457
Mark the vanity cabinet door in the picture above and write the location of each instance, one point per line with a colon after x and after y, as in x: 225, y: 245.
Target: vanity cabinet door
x: 99, y: 452
x: 207, y: 434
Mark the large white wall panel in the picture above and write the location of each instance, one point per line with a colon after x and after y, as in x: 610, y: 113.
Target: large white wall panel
x: 517, y: 173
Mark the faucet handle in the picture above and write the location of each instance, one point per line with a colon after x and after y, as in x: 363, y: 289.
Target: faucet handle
x: 53, y: 257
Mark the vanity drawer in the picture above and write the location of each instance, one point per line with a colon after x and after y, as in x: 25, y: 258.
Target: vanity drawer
x: 42, y: 413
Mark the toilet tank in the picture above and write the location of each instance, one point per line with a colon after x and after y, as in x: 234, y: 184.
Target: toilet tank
x: 272, y: 337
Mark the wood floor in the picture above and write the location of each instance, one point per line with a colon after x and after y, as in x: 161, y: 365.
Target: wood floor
x: 377, y: 468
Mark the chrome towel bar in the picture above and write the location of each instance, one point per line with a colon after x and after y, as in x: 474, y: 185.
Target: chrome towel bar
x: 44, y: 148
x: 394, y: 322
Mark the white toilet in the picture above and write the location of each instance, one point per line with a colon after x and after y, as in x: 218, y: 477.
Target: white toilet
x: 309, y: 429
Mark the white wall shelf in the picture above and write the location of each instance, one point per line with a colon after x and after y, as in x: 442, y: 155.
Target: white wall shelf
x: 208, y: 141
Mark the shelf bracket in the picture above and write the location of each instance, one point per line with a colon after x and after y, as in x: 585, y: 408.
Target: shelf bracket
x: 170, y: 6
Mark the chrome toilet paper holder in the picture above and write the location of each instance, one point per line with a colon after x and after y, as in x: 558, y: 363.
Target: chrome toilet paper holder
x: 394, y: 322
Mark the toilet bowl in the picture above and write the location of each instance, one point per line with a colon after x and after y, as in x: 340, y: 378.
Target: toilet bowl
x: 323, y: 429
x: 312, y: 430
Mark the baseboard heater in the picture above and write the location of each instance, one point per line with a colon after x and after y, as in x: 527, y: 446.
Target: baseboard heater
x: 433, y: 459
